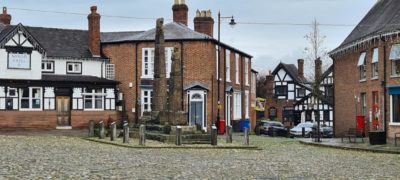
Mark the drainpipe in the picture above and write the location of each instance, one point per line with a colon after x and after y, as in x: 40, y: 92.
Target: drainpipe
x: 384, y: 84
x: 333, y: 97
x: 182, y: 75
x: 137, y: 84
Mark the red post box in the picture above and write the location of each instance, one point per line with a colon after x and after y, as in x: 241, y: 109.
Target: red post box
x: 221, y: 129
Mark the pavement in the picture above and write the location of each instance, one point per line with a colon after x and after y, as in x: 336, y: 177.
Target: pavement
x: 45, y: 132
x: 358, y: 145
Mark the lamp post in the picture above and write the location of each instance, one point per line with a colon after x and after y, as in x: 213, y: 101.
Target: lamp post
x: 232, y: 23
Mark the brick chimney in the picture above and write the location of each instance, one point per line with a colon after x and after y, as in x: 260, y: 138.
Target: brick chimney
x: 204, y: 23
x: 300, y: 67
x: 269, y: 85
x: 5, y: 18
x: 180, y: 12
x: 318, y: 68
x: 94, y: 31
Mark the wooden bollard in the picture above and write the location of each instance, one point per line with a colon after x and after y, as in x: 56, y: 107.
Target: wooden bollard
x: 178, y: 139
x: 113, y: 128
x: 101, y: 130
x: 214, y: 136
x: 91, y: 128
x: 126, y: 133
x: 228, y: 134
x: 246, y: 137
x: 142, y: 135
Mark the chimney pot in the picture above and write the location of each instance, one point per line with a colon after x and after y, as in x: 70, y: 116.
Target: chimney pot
x: 93, y: 9
x: 204, y: 23
x: 180, y: 12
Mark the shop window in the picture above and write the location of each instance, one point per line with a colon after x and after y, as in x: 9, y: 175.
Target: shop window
x: 395, y: 108
x: 94, y: 99
x: 31, y: 98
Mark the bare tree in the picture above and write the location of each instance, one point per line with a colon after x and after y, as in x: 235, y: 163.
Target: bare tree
x: 261, y: 89
x: 314, y: 50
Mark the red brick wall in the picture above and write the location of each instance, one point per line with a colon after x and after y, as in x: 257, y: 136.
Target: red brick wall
x: 348, y: 85
x: 198, y: 63
x: 48, y: 119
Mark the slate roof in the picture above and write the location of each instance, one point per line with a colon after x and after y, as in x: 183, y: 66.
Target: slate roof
x: 384, y: 17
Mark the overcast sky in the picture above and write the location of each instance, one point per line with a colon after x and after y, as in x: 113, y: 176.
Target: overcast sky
x: 269, y: 44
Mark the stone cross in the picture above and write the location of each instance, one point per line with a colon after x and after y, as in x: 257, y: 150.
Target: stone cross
x: 159, y: 99
x: 176, y: 84
x: 101, y: 130
x: 113, y: 128
x: 228, y: 134
x: 91, y: 128
x: 126, y: 133
x: 178, y: 139
x: 246, y: 137
x: 142, y: 135
x: 214, y: 136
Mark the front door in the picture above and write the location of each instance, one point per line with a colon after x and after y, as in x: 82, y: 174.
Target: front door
x: 63, y: 111
x: 197, y: 109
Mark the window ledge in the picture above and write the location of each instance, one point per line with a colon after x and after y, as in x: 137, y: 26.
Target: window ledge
x: 93, y: 110
x: 394, y: 76
x: 375, y: 78
x: 363, y: 80
x: 394, y: 124
x: 30, y: 109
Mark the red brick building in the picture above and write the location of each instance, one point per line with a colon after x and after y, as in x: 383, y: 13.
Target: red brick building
x: 366, y: 70
x: 132, y: 53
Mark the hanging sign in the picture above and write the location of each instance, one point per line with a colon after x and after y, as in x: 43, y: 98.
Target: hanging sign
x: 19, y: 61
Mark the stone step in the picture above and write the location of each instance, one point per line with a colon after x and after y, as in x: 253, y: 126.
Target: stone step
x: 186, y: 139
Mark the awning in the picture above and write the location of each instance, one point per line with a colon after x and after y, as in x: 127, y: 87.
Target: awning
x: 375, y: 56
x: 361, y: 60
x: 394, y: 90
x: 395, y: 52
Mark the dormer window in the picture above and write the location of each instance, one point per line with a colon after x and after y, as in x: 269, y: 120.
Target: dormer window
x: 74, y: 68
x: 395, y: 58
x: 48, y: 66
x: 362, y: 66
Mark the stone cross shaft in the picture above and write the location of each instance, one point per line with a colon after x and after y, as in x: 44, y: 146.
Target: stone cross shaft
x: 176, y: 85
x: 159, y: 100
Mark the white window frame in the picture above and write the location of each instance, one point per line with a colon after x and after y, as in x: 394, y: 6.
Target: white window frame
x: 237, y: 68
x: 228, y: 65
x: 76, y: 68
x: 110, y: 71
x: 142, y: 97
x: 246, y: 71
x: 93, y: 99
x: 45, y: 69
x: 237, y: 109
x: 149, y: 65
x: 246, y: 100
x: 362, y: 66
x: 30, y: 99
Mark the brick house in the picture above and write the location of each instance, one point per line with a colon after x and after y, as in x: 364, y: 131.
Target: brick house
x: 289, y: 95
x: 53, y: 78
x: 367, y: 71
x: 132, y: 53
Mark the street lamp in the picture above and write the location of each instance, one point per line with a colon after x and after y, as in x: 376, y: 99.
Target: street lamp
x: 232, y: 23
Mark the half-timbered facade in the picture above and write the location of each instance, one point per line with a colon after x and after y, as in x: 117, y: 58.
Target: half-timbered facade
x: 50, y: 79
x: 290, y: 98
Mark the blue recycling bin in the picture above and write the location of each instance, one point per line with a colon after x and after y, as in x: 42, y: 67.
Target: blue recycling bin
x: 244, y: 123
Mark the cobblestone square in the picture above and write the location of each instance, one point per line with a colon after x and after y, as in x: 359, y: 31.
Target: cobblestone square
x: 60, y: 157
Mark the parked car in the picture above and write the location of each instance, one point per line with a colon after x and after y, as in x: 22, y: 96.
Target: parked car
x: 327, y: 131
x: 271, y: 128
x: 297, y: 130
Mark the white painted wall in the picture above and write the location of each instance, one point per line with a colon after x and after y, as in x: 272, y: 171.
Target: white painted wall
x: 34, y: 73
x: 89, y: 68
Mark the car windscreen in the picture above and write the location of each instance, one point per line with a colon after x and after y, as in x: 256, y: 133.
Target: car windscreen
x: 305, y: 125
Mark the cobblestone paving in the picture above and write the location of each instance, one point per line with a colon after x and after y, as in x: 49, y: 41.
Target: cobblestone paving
x: 52, y: 157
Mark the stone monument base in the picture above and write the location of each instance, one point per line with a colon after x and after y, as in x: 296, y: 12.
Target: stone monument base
x: 173, y: 118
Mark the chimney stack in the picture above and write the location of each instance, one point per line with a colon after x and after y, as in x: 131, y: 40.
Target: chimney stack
x: 204, y: 23
x: 180, y: 12
x: 318, y: 69
x: 300, y: 66
x: 269, y: 85
x: 94, y: 31
x: 5, y: 18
